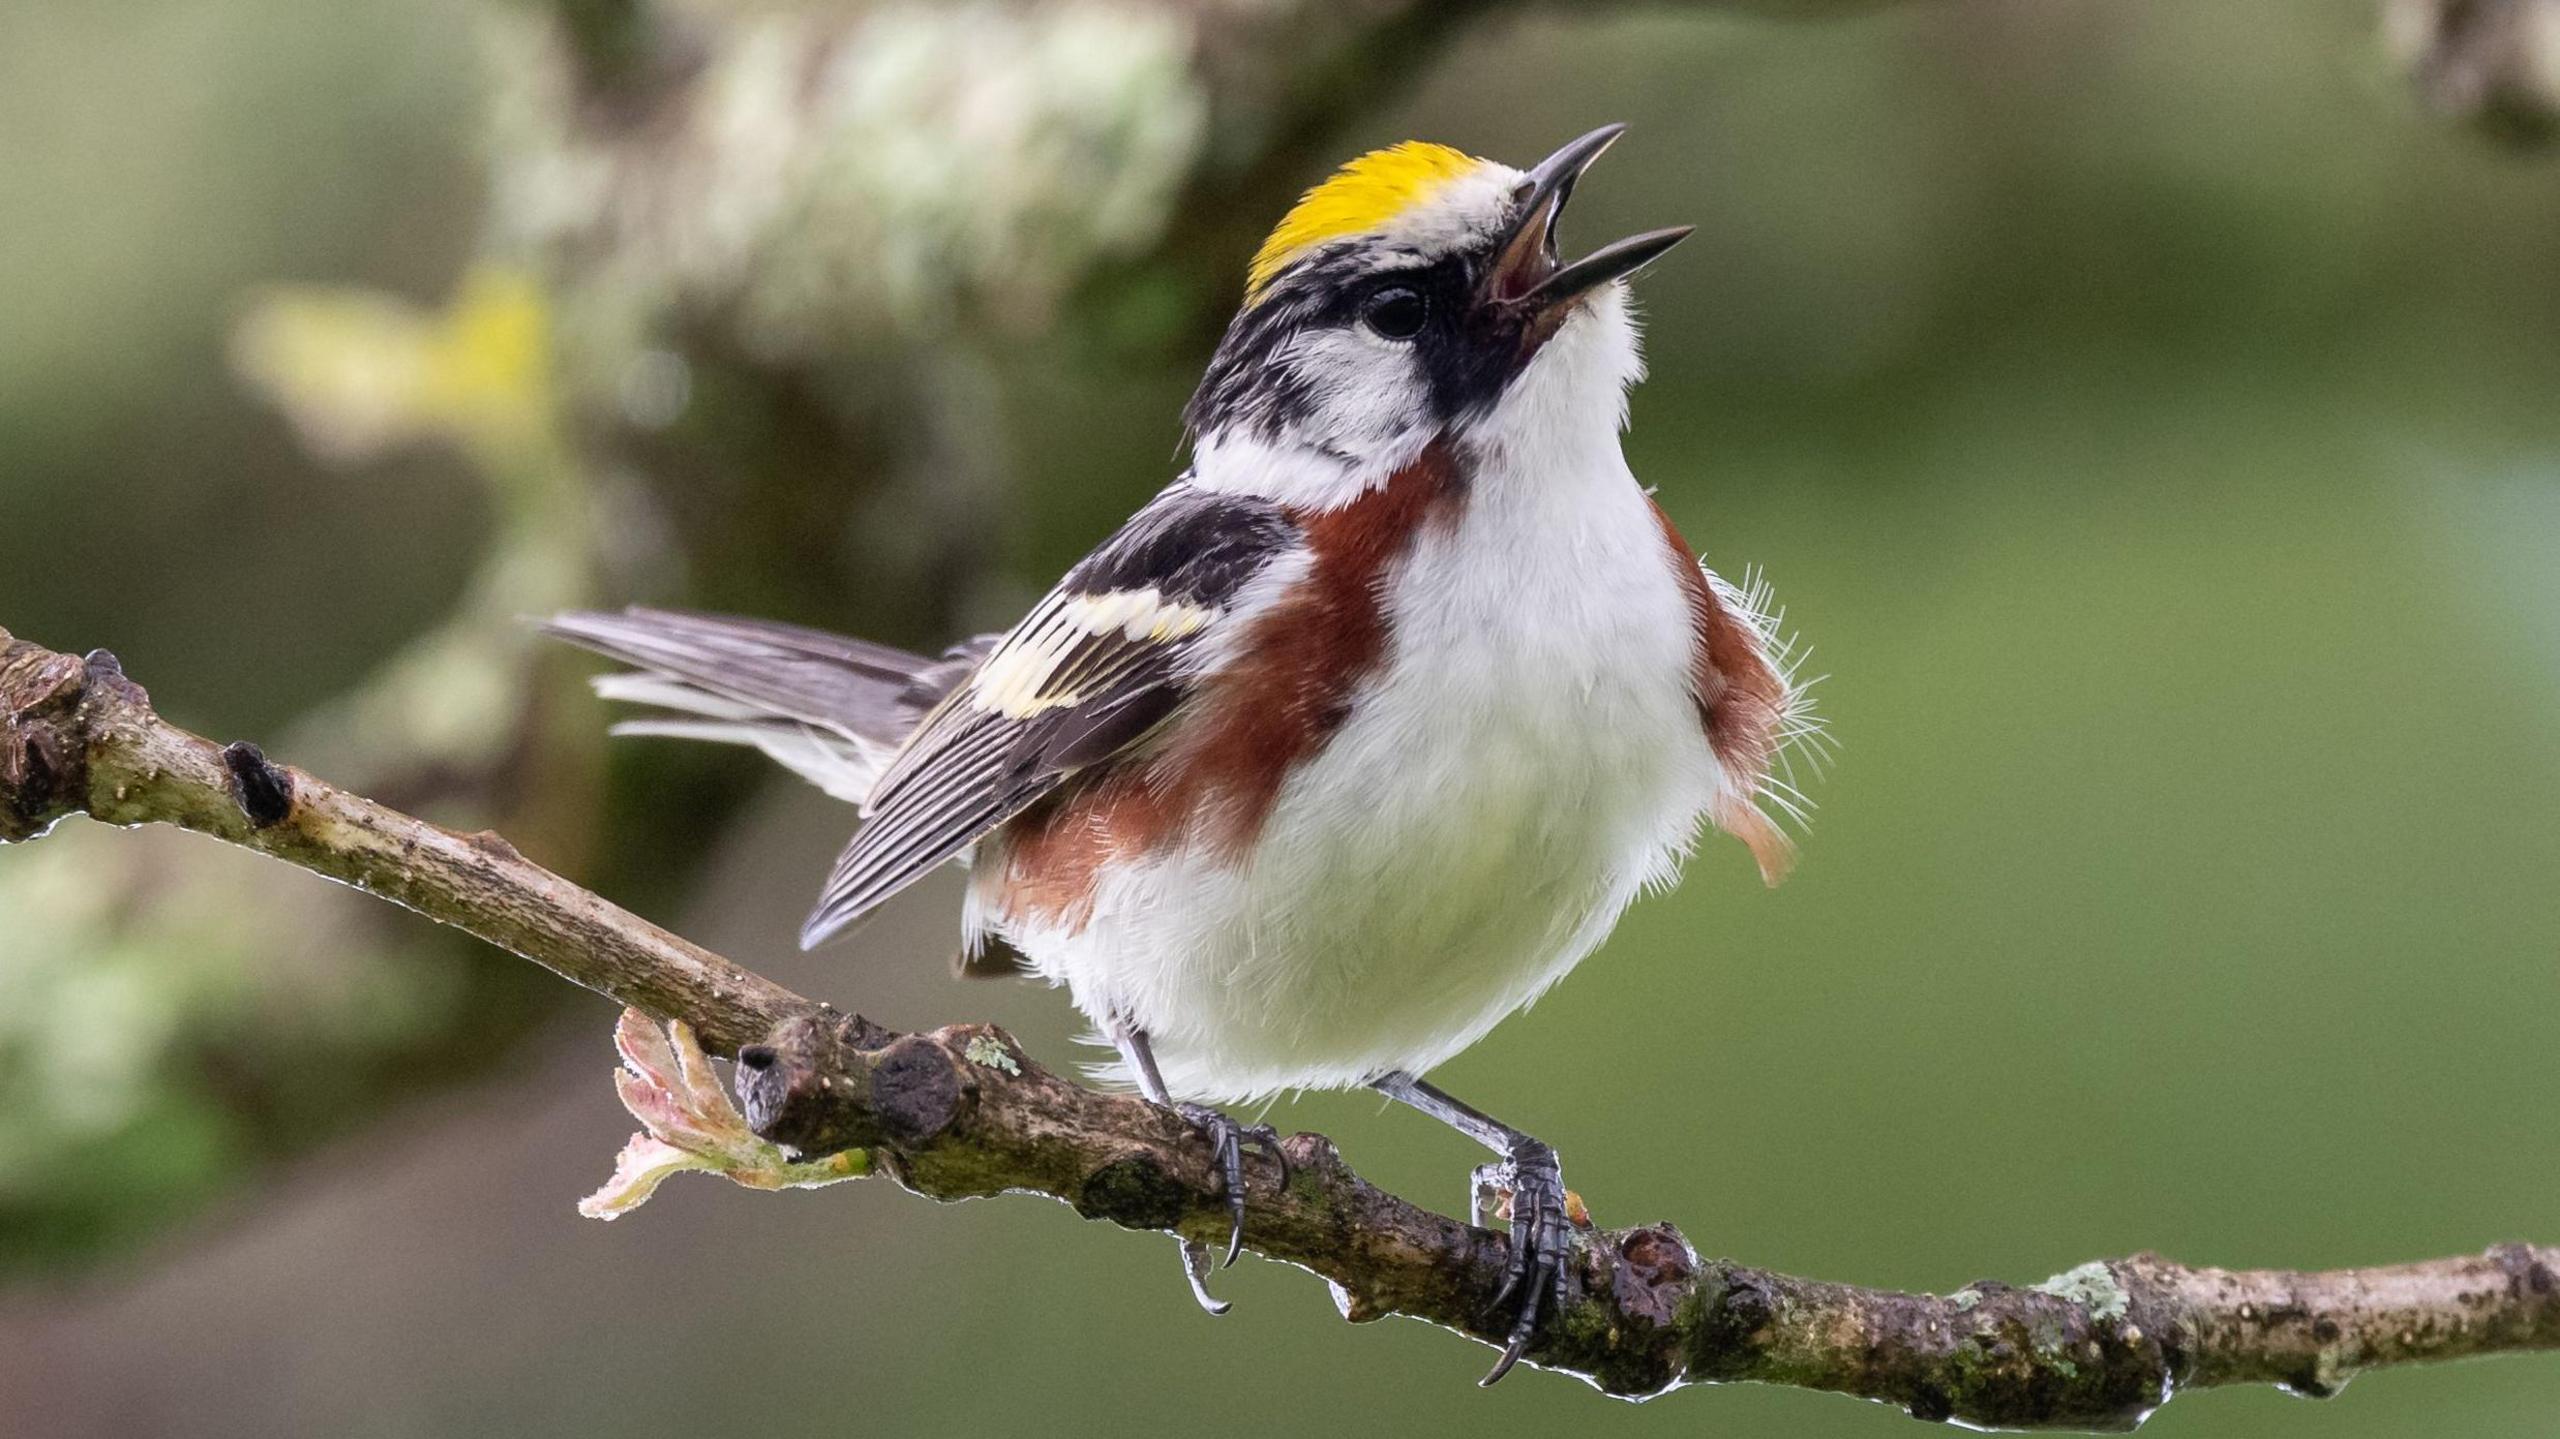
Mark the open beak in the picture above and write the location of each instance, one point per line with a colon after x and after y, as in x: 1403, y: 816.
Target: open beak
x: 1525, y: 273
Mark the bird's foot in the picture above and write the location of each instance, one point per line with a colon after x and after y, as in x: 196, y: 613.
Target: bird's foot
x: 1197, y: 1263
x: 1542, y: 1217
x: 1227, y: 1140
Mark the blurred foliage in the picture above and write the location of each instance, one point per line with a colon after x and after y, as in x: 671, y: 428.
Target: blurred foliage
x: 2492, y: 63
x: 360, y: 372
x: 2145, y: 410
x: 140, y: 1062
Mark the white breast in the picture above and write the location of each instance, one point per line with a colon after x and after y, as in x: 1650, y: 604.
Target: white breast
x: 1525, y: 760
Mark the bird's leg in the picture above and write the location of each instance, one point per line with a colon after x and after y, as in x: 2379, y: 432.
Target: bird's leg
x: 1227, y: 1140
x: 1541, y: 1234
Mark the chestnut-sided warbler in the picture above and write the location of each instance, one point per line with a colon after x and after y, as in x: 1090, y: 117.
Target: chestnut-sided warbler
x: 1360, y: 734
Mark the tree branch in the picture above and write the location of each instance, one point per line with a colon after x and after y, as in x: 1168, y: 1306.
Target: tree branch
x: 76, y: 736
x: 962, y: 1113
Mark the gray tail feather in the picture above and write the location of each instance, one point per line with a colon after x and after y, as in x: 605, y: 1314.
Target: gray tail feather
x: 832, y: 709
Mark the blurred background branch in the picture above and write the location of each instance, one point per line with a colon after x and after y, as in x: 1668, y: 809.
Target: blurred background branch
x: 963, y: 1114
x: 2493, y: 64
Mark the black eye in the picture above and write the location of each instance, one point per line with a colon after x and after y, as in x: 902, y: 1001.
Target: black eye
x: 1395, y: 312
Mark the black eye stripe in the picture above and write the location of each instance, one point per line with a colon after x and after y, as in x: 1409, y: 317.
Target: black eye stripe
x: 1252, y: 379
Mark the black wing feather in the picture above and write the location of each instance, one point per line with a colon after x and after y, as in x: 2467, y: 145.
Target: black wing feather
x: 1060, y: 692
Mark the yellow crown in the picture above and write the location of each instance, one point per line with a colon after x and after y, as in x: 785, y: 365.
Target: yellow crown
x: 1360, y: 196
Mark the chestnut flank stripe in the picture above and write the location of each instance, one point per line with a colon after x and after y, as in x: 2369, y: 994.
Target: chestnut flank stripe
x: 1221, y: 768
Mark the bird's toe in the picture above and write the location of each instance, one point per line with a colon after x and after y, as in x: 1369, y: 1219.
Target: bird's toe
x: 1537, y: 1281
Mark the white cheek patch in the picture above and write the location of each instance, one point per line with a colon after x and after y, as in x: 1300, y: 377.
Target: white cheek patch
x: 1021, y: 679
x: 1240, y: 462
x: 1368, y: 415
x: 1370, y: 394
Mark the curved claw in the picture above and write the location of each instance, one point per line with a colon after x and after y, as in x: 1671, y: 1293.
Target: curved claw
x: 1541, y: 1234
x: 1226, y: 1148
x: 1227, y: 1140
x: 1267, y: 1139
x: 1195, y: 1269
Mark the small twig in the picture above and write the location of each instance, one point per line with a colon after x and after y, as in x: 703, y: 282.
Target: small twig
x: 961, y: 1113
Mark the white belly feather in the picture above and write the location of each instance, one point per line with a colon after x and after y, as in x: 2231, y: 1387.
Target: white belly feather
x: 1527, y: 758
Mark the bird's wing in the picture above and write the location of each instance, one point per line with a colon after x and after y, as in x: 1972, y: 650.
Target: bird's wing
x: 1096, y: 665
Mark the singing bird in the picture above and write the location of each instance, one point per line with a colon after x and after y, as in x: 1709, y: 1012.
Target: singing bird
x: 1362, y: 732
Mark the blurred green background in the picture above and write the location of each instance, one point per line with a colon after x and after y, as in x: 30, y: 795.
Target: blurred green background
x: 2145, y: 410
